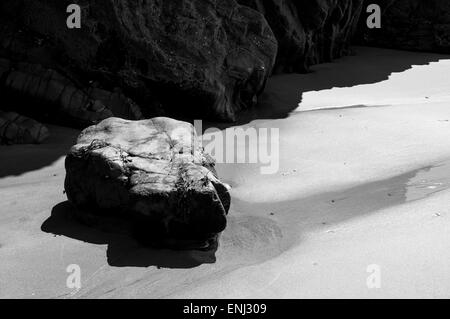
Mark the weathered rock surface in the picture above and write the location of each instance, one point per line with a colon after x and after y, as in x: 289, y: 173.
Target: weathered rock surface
x: 152, y: 172
x: 60, y: 96
x: 17, y: 129
x: 309, y: 31
x: 410, y: 25
x: 210, y: 57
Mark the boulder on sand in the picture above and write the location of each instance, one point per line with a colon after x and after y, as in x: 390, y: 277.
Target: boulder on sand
x: 153, y: 173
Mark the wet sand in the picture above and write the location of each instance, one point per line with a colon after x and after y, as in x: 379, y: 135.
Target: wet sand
x: 364, y: 180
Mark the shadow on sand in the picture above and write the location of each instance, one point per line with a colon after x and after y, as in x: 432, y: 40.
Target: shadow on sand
x: 328, y: 210
x: 123, y: 250
x: 284, y: 93
x: 19, y: 159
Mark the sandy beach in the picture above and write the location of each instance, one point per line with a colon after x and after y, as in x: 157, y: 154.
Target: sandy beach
x: 362, y: 182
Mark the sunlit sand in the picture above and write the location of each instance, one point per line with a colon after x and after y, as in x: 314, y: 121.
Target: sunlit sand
x: 364, y: 180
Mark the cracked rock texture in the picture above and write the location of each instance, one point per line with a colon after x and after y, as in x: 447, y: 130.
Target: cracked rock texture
x: 153, y: 172
x: 410, y: 25
x: 179, y: 58
x: 18, y: 129
x: 199, y: 58
x: 23, y: 84
x: 309, y: 31
x: 59, y: 96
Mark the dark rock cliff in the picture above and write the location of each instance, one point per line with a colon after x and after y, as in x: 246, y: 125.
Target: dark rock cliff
x: 311, y: 31
x: 182, y: 58
x: 199, y: 58
x: 410, y: 25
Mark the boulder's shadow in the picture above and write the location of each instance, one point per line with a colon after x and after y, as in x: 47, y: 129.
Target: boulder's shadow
x: 123, y: 250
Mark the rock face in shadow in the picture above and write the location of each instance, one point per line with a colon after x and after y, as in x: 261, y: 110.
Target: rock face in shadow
x: 60, y: 96
x: 17, y: 129
x: 410, y: 25
x: 198, y: 58
x: 309, y: 31
x: 152, y: 172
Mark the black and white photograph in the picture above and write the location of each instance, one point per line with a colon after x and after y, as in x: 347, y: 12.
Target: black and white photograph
x: 252, y: 150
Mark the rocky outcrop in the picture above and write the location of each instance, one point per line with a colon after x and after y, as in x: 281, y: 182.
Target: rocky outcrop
x: 60, y: 96
x: 311, y: 31
x: 410, y: 25
x: 153, y: 172
x: 17, y: 129
x: 198, y: 58
x: 181, y: 58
